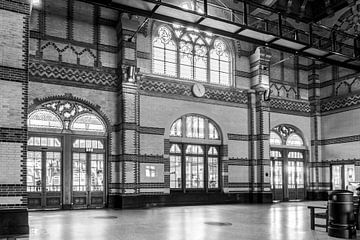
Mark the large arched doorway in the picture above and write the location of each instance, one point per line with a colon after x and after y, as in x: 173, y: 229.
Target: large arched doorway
x: 195, y: 143
x: 66, y: 156
x: 287, y: 162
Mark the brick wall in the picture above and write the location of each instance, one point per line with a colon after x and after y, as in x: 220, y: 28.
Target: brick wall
x: 14, y: 33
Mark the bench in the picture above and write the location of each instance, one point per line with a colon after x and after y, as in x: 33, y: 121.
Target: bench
x: 323, y: 215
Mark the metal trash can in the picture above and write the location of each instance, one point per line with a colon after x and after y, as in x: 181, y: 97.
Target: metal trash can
x: 341, y: 214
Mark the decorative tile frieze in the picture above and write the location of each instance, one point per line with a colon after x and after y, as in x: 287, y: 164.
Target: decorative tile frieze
x: 184, y: 89
x: 75, y: 75
x: 338, y: 103
x: 288, y: 105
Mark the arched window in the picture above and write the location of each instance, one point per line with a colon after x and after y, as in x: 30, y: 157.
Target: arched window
x: 195, y: 127
x: 294, y: 140
x: 286, y: 135
x: 44, y: 119
x: 200, y: 56
x: 164, y: 53
x: 275, y: 139
x: 194, y: 154
x: 88, y: 122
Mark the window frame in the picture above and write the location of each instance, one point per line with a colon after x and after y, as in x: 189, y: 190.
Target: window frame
x: 209, y: 47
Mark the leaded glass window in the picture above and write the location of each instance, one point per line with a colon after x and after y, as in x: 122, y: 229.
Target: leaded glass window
x: 195, y: 127
x: 164, y: 53
x: 275, y: 139
x: 44, y: 119
x: 175, y: 166
x: 294, y: 140
x: 201, y: 56
x: 213, y: 168
x: 194, y: 161
x: 88, y: 122
x: 34, y: 167
x: 175, y: 129
x: 213, y: 132
x: 219, y: 64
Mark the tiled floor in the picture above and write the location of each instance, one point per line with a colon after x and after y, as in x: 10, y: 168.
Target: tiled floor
x: 281, y: 221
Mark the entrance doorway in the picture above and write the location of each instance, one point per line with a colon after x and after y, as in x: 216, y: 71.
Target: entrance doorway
x: 66, y: 157
x: 287, y: 175
x: 287, y: 163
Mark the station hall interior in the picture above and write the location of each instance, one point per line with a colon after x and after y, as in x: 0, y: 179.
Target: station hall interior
x: 119, y: 104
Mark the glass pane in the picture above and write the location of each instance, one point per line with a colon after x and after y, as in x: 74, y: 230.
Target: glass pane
x: 300, y: 174
x: 194, y: 172
x: 294, y: 140
x: 194, y: 149
x: 175, y: 149
x: 79, y: 172
x: 176, y: 128
x: 175, y: 171
x: 349, y: 175
x: 97, y: 172
x: 275, y: 139
x: 88, y: 122
x: 291, y: 174
x: 213, y: 171
x: 44, y: 119
x: 53, y: 171
x: 278, y: 174
x: 212, y: 151
x: 336, y: 177
x: 275, y: 154
x: 33, y: 172
x: 158, y: 67
x: 213, y: 133
x: 195, y: 127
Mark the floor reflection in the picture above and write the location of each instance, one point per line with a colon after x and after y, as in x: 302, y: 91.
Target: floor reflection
x: 280, y: 221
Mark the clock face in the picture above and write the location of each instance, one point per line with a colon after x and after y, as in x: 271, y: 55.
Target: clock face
x: 198, y: 90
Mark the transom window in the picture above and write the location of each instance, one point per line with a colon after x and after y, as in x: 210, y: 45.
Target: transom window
x: 285, y: 135
x: 194, y: 126
x: 68, y: 115
x: 191, y: 54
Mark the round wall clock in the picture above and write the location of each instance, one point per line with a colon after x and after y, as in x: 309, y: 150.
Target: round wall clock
x: 198, y: 90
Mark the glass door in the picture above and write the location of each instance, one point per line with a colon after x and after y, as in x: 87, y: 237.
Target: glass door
x: 44, y: 182
x: 88, y: 173
x: 276, y: 179
x: 296, y: 186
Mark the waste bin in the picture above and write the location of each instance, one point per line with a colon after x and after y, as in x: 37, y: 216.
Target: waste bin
x: 341, y: 214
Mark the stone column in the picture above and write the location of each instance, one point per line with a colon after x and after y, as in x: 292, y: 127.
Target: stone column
x: 315, y: 125
x: 14, y: 55
x: 126, y: 131
x: 260, y: 119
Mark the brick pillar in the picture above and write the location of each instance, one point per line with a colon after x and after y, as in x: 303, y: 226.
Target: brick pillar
x: 14, y: 47
x: 125, y: 160
x: 259, y: 112
x: 315, y: 124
